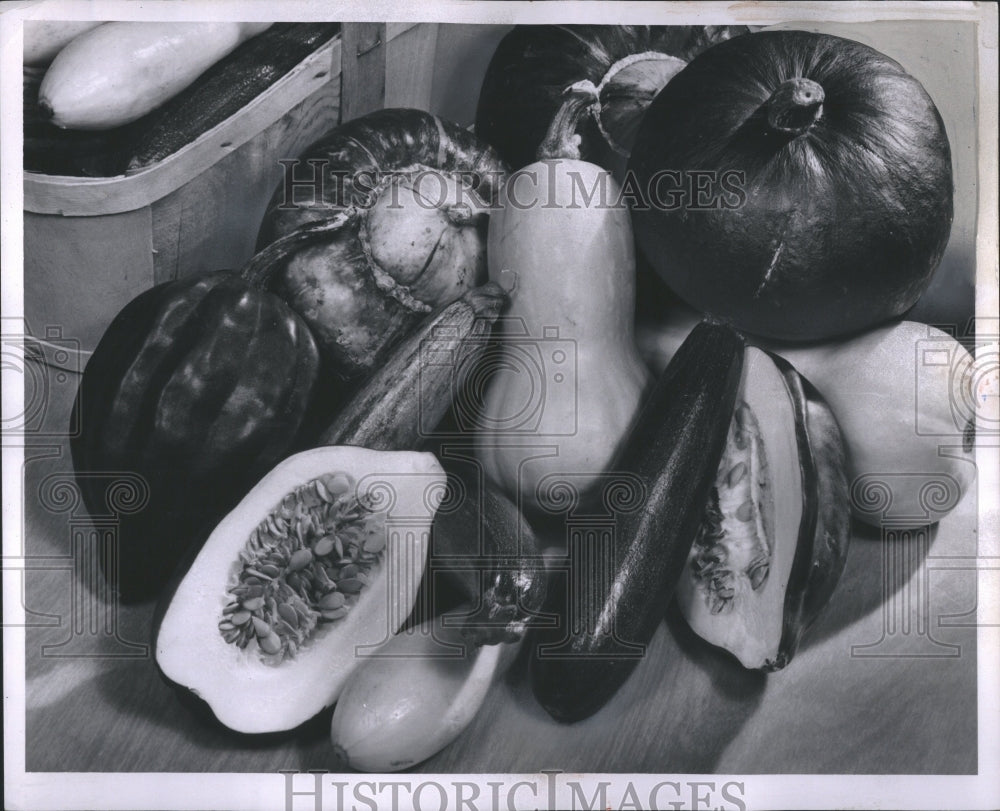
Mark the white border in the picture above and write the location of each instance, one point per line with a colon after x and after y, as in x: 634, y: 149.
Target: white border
x: 76, y: 790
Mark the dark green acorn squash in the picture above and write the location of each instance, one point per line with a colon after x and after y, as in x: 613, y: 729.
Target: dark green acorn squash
x: 199, y: 386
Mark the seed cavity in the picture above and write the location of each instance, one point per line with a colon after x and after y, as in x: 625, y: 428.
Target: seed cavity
x: 303, y: 567
x: 732, y: 550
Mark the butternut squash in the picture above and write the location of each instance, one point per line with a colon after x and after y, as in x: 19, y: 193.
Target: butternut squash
x: 568, y: 380
x: 118, y: 72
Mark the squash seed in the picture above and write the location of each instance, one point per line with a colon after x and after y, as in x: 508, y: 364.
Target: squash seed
x: 285, y: 587
x: 270, y: 643
x: 332, y: 600
x: 323, y: 547
x: 350, y: 585
x: 241, y: 617
x: 758, y: 572
x: 375, y: 542
x: 736, y: 474
x: 299, y: 560
x: 322, y: 492
x: 337, y: 484
x: 745, y: 511
x: 288, y: 614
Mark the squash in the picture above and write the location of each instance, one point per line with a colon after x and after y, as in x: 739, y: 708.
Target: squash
x: 198, y: 386
x: 268, y: 623
x: 415, y: 696
x: 401, y: 404
x: 797, y: 185
x: 567, y: 374
x: 119, y: 71
x: 484, y: 545
x: 533, y: 65
x: 774, y: 539
x: 54, y: 151
x: 609, y: 601
x: 405, y: 195
x: 43, y: 39
x: 222, y: 90
x: 904, y: 398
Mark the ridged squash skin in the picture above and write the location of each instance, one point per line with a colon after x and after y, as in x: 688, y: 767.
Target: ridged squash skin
x: 198, y: 387
x: 119, y: 71
x: 609, y: 605
x: 248, y: 695
x: 568, y: 373
x: 903, y: 398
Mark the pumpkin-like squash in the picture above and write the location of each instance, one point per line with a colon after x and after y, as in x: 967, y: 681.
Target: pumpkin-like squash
x: 198, y: 386
x: 797, y: 185
x: 399, y: 198
x: 628, y: 64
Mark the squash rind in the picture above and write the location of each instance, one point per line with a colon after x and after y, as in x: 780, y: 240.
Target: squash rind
x: 244, y: 693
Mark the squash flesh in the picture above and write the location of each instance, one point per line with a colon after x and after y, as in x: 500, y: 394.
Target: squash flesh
x: 244, y: 692
x: 751, y: 624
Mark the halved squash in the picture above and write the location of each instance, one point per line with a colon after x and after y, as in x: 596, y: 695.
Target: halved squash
x: 317, y: 565
x: 774, y: 537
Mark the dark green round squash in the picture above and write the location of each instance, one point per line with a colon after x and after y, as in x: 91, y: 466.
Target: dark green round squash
x: 796, y: 185
x: 199, y: 386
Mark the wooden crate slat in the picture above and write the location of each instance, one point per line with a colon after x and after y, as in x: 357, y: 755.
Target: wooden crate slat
x: 363, y: 69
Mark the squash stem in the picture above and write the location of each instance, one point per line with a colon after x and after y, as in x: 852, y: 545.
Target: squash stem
x: 795, y: 106
x: 562, y: 139
x: 258, y: 271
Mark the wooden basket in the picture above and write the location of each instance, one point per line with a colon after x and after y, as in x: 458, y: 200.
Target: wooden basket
x: 93, y: 244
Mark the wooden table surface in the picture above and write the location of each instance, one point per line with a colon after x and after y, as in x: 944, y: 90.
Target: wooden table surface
x: 885, y: 682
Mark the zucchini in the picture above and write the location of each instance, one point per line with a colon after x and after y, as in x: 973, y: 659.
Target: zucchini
x: 484, y: 545
x: 403, y: 402
x: 609, y: 607
x: 224, y: 89
x: 116, y: 73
